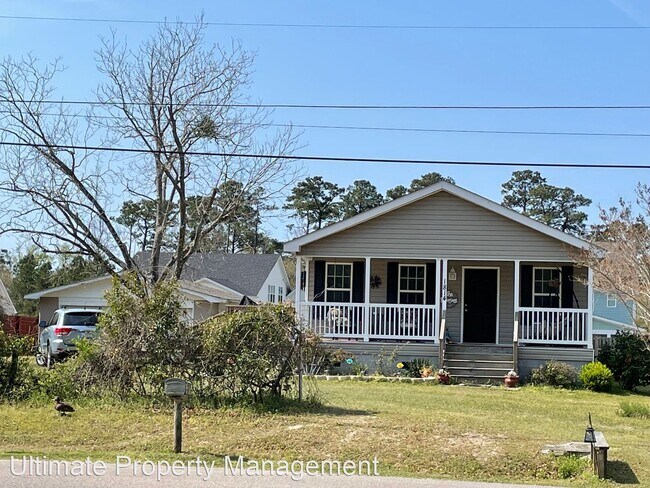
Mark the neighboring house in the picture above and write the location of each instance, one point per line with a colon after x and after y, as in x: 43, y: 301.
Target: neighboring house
x: 211, y: 283
x: 611, y: 315
x: 6, y: 305
x: 375, y: 281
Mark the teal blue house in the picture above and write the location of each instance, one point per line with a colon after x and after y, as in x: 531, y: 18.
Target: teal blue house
x: 611, y: 314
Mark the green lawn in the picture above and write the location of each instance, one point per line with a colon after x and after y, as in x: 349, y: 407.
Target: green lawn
x: 414, y: 430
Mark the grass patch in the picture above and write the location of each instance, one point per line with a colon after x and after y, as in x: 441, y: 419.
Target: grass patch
x: 419, y: 430
x: 637, y: 410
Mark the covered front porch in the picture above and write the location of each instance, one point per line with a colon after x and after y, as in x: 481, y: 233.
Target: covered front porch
x: 536, y: 303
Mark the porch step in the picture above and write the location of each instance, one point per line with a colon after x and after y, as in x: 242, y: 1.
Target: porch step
x: 478, y: 363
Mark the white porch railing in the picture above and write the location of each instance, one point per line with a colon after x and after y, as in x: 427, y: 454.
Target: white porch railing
x: 385, y: 321
x: 554, y: 326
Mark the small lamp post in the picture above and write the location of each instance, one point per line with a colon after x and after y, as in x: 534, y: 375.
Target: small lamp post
x: 590, y: 437
x: 178, y: 390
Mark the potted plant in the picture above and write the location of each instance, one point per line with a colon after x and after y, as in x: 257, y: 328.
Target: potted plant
x: 444, y: 377
x: 511, y: 379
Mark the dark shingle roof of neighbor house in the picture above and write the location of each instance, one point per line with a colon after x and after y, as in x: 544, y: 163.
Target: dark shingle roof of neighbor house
x: 244, y: 273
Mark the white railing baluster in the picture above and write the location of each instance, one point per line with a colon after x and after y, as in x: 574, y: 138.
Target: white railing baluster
x: 553, y: 326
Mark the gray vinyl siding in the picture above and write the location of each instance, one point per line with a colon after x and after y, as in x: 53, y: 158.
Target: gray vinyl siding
x: 506, y: 299
x: 534, y: 357
x: 441, y: 225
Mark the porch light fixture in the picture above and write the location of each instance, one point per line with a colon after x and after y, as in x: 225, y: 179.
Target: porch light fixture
x: 452, y: 274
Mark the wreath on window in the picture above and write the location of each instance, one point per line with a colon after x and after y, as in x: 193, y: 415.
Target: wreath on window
x: 375, y: 281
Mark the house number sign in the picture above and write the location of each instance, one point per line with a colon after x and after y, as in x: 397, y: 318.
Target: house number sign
x: 452, y: 299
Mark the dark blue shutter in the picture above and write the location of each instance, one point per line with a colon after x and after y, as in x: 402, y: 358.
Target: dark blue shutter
x: 319, y: 281
x: 392, y: 282
x: 567, y: 287
x: 526, y: 286
x: 430, y: 298
x: 358, y: 279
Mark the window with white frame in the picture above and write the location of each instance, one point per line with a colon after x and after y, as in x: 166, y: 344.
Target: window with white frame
x: 271, y: 297
x: 412, y: 283
x: 547, y: 287
x: 280, y: 294
x: 338, y: 282
x: 611, y: 301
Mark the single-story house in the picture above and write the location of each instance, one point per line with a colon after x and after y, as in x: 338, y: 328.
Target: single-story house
x: 211, y: 283
x: 448, y: 275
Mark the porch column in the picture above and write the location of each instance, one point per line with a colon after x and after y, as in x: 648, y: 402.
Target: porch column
x: 366, y: 308
x: 443, y: 298
x: 515, y: 323
x: 298, y: 300
x: 516, y: 298
x: 438, y: 298
x: 590, y: 308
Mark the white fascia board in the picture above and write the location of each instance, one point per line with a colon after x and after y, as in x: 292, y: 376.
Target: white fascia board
x: 218, y: 286
x: 195, y: 295
x: 54, y: 291
x: 295, y: 244
x: 614, y: 322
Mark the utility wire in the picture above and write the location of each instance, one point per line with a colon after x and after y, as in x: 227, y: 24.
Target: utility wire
x: 331, y: 26
x: 339, y: 106
x: 71, y: 147
x: 393, y: 129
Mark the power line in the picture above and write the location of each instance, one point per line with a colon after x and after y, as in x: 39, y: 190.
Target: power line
x: 466, y: 131
x: 399, y: 129
x: 339, y: 159
x: 331, y: 26
x: 341, y: 106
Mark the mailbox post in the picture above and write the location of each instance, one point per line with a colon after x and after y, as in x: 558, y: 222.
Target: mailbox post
x: 177, y: 390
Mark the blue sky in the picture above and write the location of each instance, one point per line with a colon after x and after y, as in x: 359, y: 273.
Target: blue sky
x: 423, y: 67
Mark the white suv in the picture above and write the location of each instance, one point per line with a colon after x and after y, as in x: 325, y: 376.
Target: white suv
x: 57, y: 336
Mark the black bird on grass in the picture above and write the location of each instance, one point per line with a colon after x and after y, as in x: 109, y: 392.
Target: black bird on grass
x: 63, y: 408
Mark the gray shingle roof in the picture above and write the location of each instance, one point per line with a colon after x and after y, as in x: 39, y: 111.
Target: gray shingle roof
x: 244, y: 273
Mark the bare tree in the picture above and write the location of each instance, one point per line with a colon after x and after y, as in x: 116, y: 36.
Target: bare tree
x: 173, y: 100
x: 621, y: 256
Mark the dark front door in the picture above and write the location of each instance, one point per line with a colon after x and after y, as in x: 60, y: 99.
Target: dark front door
x: 480, y: 305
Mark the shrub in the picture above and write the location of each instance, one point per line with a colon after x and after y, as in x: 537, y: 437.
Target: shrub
x: 628, y: 358
x: 254, y: 351
x: 15, y: 376
x: 596, y: 376
x: 413, y: 369
x: 571, y: 466
x: 634, y: 409
x: 143, y: 339
x: 555, y: 373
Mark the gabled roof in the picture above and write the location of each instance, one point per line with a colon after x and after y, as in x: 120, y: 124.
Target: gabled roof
x: 52, y: 292
x: 243, y: 273
x: 442, y: 186
x: 199, y: 291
